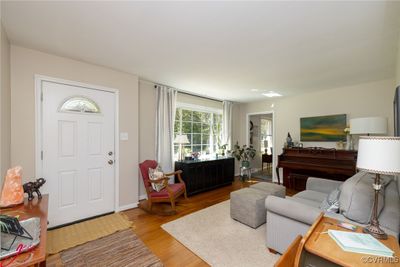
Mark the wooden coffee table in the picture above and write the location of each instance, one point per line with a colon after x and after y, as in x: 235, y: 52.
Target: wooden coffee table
x: 35, y: 208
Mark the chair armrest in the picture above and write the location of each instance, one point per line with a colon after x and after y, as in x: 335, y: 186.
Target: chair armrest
x: 289, y: 208
x: 177, y: 173
x: 322, y: 185
x: 173, y: 173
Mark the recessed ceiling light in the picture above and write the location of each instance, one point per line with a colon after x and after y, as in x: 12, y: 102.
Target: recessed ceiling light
x: 271, y: 94
x: 254, y: 90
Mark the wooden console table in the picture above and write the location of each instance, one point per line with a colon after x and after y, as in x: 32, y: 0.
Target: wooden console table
x: 203, y: 175
x: 35, y: 208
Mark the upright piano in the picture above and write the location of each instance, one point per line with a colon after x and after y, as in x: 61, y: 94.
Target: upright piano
x: 300, y: 163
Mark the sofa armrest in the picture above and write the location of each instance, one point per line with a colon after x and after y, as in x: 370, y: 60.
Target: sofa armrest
x: 322, y: 185
x: 292, y: 209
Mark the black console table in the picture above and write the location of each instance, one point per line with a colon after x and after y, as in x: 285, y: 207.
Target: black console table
x: 203, y: 175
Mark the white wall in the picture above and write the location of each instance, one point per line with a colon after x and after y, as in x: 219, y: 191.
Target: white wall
x: 25, y: 63
x: 5, y: 104
x: 370, y: 99
x: 147, y: 111
x: 236, y: 126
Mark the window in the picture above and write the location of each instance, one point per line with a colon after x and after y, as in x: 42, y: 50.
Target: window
x: 266, y: 135
x: 203, y: 129
x: 79, y: 104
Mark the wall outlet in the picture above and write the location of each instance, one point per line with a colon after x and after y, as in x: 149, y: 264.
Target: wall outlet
x: 123, y: 136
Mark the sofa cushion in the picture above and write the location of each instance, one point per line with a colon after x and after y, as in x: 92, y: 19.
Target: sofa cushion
x: 331, y: 202
x: 357, y: 196
x: 390, y: 215
x: 311, y: 195
x: 305, y: 201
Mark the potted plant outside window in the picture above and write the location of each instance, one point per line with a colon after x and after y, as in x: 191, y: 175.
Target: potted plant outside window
x: 243, y: 154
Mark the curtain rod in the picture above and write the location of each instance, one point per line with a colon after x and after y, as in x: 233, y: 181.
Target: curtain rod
x: 191, y: 94
x: 204, y: 97
x: 183, y: 92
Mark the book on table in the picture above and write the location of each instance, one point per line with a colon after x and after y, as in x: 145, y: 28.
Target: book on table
x: 360, y: 243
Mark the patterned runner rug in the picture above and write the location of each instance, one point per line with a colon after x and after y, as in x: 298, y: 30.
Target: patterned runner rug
x: 123, y: 248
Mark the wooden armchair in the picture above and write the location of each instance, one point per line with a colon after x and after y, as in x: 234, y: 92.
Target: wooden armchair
x: 168, y: 194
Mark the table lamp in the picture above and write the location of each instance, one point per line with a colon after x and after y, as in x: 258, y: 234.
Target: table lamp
x: 369, y: 125
x: 378, y: 155
x: 181, y: 139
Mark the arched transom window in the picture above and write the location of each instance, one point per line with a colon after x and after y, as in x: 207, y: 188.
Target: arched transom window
x: 79, y: 104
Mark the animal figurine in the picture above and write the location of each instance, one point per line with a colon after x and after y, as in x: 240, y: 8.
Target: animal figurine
x: 31, y: 187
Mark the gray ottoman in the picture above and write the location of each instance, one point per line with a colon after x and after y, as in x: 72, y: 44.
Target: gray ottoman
x: 247, y: 206
x: 270, y: 189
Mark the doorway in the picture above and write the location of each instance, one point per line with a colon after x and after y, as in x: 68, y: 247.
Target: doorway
x: 77, y: 142
x: 260, y: 135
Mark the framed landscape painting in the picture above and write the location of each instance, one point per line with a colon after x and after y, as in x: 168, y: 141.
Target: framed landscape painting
x: 323, y: 128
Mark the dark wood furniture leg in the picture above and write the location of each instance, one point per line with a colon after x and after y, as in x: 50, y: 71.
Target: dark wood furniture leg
x: 277, y: 175
x: 273, y: 251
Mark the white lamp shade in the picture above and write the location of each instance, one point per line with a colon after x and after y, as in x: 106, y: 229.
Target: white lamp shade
x: 181, y: 139
x: 379, y: 154
x: 370, y: 125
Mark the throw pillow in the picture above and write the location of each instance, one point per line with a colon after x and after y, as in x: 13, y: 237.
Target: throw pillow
x: 357, y: 196
x: 155, y: 175
x: 331, y: 202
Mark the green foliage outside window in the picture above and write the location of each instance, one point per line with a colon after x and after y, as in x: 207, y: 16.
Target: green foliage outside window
x: 204, y: 130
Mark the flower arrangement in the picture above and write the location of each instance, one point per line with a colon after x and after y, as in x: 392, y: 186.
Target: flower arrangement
x: 195, y: 155
x: 349, y: 142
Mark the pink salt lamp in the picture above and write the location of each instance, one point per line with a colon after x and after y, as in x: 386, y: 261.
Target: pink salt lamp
x: 13, y: 192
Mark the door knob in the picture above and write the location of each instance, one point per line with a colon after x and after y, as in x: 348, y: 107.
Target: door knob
x: 111, y: 162
x: 110, y: 153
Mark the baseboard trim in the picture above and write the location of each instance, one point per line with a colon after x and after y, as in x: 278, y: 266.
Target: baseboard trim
x: 127, y: 207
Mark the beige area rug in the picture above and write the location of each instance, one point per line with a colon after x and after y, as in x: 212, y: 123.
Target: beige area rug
x: 123, y: 248
x: 80, y: 233
x: 221, y: 241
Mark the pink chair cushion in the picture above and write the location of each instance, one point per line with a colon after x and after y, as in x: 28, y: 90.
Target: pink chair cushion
x: 164, y: 193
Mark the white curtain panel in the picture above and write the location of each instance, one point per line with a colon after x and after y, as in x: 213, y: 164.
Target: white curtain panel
x: 165, y: 116
x: 227, y: 123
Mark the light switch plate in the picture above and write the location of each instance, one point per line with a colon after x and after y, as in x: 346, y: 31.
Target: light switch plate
x: 123, y: 136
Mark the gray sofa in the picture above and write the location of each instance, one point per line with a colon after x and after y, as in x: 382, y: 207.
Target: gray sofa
x: 291, y: 216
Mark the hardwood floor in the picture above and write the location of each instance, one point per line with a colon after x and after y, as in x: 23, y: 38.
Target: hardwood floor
x: 169, y: 250
x: 148, y: 226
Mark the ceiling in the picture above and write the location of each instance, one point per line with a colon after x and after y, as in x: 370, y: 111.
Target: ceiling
x: 219, y: 49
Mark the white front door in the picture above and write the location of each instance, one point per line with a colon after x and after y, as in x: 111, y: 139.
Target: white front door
x: 78, y: 132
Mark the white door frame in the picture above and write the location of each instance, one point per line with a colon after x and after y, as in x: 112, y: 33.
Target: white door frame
x: 39, y: 79
x: 273, y: 135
